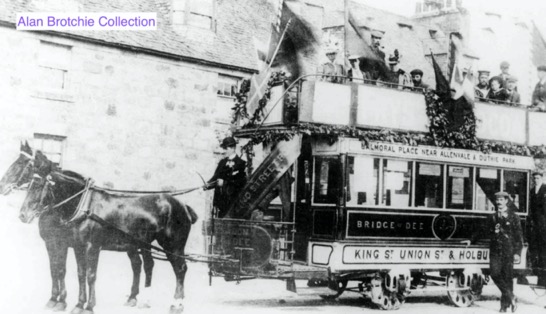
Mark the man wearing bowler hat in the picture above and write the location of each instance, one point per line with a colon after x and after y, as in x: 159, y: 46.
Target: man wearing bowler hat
x: 228, y: 179
x: 503, y: 228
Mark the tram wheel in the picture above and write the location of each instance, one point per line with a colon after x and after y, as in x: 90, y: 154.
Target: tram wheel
x: 390, y: 301
x: 456, y: 294
x: 339, y: 287
x: 385, y: 299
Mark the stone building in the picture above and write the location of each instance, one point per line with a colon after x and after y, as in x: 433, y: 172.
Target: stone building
x: 133, y: 110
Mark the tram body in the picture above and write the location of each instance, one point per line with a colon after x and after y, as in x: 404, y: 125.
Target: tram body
x: 377, y: 218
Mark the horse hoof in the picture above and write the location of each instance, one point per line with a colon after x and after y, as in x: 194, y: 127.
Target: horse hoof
x: 77, y: 310
x: 86, y: 311
x: 176, y: 309
x: 131, y: 302
x: 59, y: 307
x: 50, y: 304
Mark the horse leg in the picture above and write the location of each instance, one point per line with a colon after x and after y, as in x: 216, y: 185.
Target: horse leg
x: 148, y: 269
x: 136, y: 265
x: 179, y: 266
x: 61, y: 273
x: 52, y: 254
x: 80, y: 253
x: 93, y: 252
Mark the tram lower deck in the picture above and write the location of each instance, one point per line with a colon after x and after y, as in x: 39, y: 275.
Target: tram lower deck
x: 380, y: 219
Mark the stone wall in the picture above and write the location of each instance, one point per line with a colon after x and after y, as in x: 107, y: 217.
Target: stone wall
x: 130, y: 120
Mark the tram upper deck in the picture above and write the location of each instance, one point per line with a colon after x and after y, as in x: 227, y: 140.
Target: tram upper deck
x: 379, y: 107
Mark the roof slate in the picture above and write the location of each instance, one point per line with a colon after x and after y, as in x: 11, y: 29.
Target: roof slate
x: 231, y: 45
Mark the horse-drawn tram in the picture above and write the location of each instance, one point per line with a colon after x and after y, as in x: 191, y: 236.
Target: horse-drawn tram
x: 376, y: 217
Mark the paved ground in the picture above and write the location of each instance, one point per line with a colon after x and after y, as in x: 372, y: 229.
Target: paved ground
x: 24, y: 274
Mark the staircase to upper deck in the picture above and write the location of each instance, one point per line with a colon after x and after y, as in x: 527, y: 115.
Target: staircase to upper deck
x: 379, y: 107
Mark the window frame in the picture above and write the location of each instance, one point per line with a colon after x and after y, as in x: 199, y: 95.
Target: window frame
x: 187, y: 12
x: 50, y: 137
x: 47, y: 61
x: 444, y: 165
x: 313, y: 185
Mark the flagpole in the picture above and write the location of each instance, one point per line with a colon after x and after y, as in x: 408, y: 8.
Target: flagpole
x: 345, y: 27
x: 253, y: 97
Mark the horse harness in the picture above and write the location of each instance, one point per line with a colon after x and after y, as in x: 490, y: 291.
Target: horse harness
x: 89, y: 215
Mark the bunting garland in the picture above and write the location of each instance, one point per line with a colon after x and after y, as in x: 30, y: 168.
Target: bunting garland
x: 444, y: 130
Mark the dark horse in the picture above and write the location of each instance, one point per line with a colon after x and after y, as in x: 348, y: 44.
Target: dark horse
x: 58, y: 237
x: 157, y: 217
x: 19, y: 172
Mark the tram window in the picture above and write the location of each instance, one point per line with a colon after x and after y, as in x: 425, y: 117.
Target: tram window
x: 515, y: 184
x: 459, y: 187
x: 396, y: 183
x: 429, y: 185
x: 487, y: 184
x: 363, y: 180
x: 327, y: 176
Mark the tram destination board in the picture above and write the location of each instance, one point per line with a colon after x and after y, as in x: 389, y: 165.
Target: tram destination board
x: 371, y: 224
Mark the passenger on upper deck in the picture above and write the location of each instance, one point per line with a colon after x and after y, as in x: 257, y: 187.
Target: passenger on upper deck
x: 332, y: 71
x: 395, y: 77
x: 539, y: 94
x: 355, y: 73
x: 417, y: 79
x: 497, y: 93
x: 512, y: 90
x: 504, y: 75
x: 482, y: 89
x: 376, y: 71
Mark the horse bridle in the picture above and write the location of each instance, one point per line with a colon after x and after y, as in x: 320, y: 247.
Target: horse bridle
x: 17, y: 184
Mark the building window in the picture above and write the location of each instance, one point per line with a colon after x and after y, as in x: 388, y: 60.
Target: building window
x: 228, y: 86
x: 53, y: 65
x: 199, y: 13
x: 50, y: 145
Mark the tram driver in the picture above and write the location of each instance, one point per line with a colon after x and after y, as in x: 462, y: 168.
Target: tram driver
x: 228, y: 179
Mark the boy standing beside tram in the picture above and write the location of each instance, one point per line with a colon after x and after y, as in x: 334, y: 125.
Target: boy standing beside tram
x: 506, y: 242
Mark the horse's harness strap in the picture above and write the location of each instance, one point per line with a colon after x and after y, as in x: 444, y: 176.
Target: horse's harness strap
x: 144, y: 244
x: 69, y: 199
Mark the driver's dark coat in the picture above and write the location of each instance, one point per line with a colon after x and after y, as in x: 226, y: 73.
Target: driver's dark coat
x: 234, y: 176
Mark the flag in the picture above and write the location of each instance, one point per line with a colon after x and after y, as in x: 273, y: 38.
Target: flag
x: 468, y: 87
x: 358, y: 43
x: 457, y: 82
x: 442, y: 86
